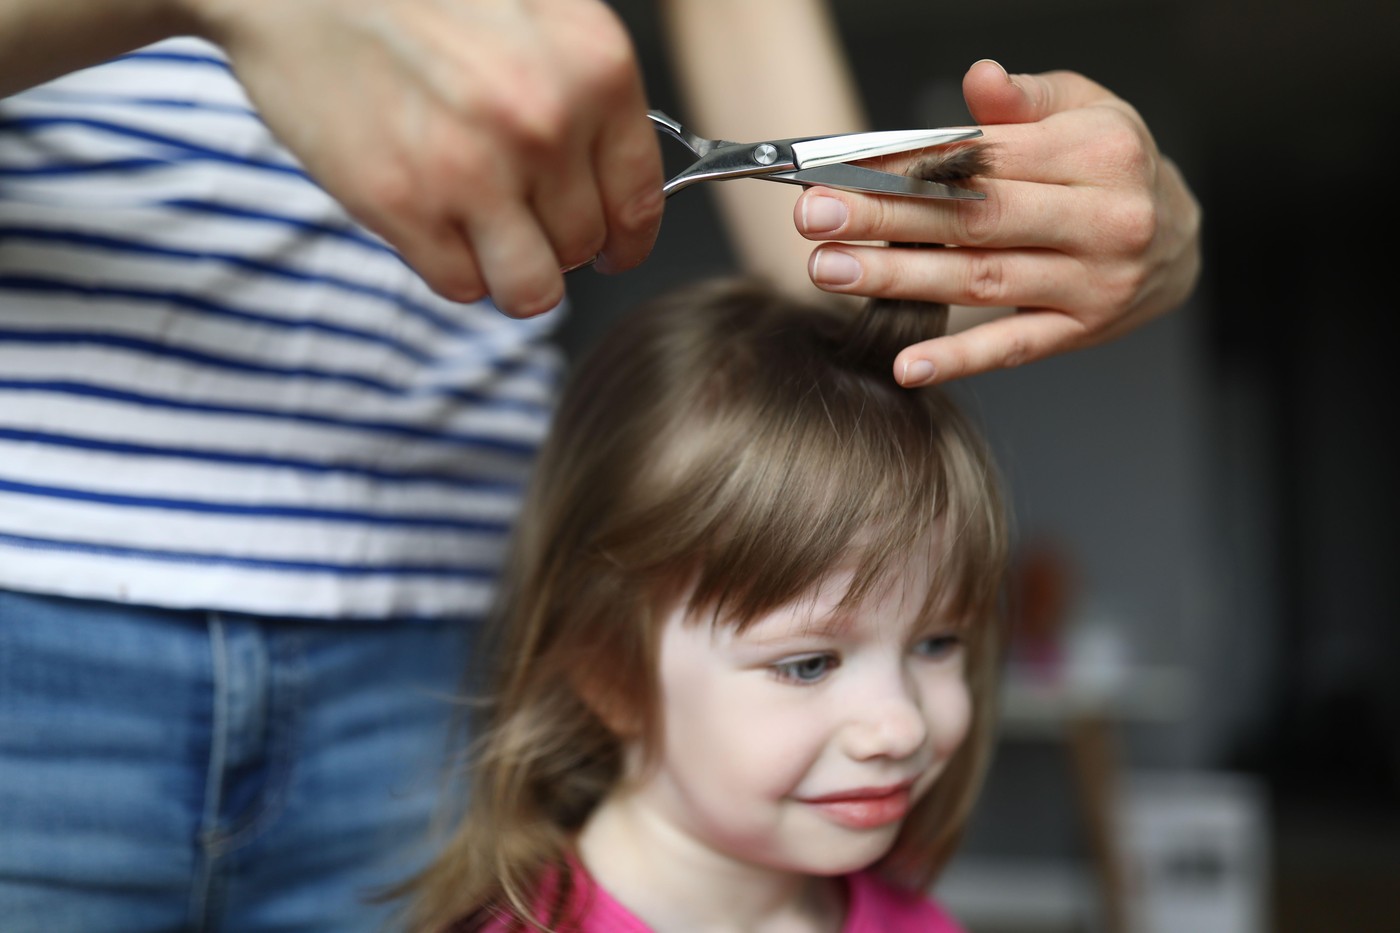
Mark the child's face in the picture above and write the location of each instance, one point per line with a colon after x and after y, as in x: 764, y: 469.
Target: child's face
x: 802, y: 743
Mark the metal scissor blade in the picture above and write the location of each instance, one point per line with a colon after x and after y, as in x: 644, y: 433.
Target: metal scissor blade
x: 856, y: 178
x: 830, y: 150
x: 696, y: 144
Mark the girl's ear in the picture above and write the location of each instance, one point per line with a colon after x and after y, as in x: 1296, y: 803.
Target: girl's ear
x: 616, y: 680
x: 614, y: 708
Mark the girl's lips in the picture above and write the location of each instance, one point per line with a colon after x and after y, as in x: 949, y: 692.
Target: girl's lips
x: 864, y: 808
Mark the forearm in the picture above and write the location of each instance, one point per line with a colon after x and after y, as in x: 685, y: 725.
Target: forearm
x: 43, y: 39
x: 750, y: 70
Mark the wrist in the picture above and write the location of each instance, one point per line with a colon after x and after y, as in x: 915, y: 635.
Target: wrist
x: 43, y: 39
x: 207, y: 19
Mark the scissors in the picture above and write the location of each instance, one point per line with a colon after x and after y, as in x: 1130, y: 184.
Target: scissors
x: 815, y: 160
x: 812, y: 160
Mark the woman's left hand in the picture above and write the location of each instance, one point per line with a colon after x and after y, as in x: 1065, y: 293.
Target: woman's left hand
x: 1088, y: 231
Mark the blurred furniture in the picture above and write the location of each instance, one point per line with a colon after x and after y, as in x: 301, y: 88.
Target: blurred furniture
x: 1082, y: 712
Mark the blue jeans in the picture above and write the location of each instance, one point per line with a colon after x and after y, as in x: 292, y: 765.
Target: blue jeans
x: 164, y: 770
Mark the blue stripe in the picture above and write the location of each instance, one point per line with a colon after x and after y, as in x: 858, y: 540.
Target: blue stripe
x: 213, y: 361
x: 471, y: 484
x: 183, y: 58
x: 84, y: 390
x: 250, y: 563
x: 82, y: 168
x: 244, y: 510
x: 270, y: 269
x: 193, y: 151
x: 29, y: 283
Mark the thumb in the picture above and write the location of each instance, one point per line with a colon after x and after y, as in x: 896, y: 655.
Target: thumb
x: 993, y: 96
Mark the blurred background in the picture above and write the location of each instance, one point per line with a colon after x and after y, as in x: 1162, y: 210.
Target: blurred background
x: 1202, y: 723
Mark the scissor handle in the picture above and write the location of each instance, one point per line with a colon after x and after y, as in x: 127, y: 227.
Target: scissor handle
x: 696, y: 144
x: 720, y: 159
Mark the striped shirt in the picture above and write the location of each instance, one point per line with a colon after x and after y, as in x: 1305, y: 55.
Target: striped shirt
x: 216, y: 390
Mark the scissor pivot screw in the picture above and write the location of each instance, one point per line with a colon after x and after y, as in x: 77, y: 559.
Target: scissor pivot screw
x: 765, y: 154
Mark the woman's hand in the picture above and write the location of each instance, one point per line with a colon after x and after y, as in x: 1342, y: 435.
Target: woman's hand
x: 492, y: 142
x: 1087, y: 231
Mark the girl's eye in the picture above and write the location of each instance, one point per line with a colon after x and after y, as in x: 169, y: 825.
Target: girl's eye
x: 938, y: 646
x: 809, y: 669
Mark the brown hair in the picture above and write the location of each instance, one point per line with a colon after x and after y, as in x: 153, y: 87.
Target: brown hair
x: 726, y: 445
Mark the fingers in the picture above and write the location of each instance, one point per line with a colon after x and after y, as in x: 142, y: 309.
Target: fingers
x: 389, y: 201
x: 1014, y: 214
x: 1086, y: 230
x: 995, y: 97
x: 1058, y: 127
x: 630, y: 178
x: 570, y: 208
x: 490, y: 143
x: 623, y: 146
x: 980, y: 278
x: 992, y: 97
x: 1006, y: 342
x: 516, y: 260
x: 442, y: 256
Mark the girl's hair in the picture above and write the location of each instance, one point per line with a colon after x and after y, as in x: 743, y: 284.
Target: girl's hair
x: 727, y: 446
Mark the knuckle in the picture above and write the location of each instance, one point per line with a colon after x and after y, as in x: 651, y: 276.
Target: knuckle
x: 883, y: 272
x: 869, y: 217
x: 547, y: 129
x: 449, y: 168
x: 391, y: 196
x: 611, y: 41
x: 955, y: 361
x: 639, y: 211
x: 1123, y: 290
x: 388, y: 190
x: 1133, y: 222
x: 521, y: 107
x: 978, y: 223
x: 542, y: 127
x: 1122, y: 146
x: 986, y: 279
x: 612, y: 66
x: 602, y: 56
x: 1016, y: 352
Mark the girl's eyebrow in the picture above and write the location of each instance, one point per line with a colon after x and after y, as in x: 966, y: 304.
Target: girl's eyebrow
x: 832, y: 625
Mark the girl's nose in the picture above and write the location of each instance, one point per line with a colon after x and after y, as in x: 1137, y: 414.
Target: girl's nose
x: 889, y: 724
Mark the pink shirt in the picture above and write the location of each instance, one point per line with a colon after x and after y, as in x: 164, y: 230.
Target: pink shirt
x: 875, y: 907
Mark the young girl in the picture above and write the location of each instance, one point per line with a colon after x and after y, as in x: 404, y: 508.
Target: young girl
x: 747, y: 644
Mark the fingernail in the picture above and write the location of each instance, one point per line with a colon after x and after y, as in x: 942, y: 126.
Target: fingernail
x: 822, y: 215
x: 916, y: 373
x: 999, y: 66
x: 834, y: 267
x: 564, y: 270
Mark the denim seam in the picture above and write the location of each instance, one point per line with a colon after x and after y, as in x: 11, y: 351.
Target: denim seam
x: 210, y: 844
x: 287, y: 718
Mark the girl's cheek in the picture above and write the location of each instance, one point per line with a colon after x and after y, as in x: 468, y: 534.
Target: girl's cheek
x: 777, y: 746
x: 953, y: 718
x: 769, y: 729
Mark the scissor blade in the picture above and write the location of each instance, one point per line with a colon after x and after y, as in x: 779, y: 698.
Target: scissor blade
x: 829, y: 150
x: 856, y: 178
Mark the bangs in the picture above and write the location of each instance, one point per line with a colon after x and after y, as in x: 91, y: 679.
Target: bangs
x: 784, y: 464
x: 859, y: 481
